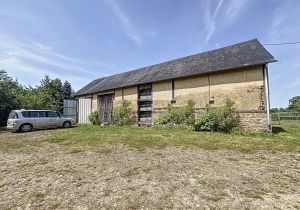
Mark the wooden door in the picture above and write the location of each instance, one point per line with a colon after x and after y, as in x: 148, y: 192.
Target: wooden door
x: 105, y: 108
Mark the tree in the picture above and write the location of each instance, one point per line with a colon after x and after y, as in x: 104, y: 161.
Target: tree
x: 8, y: 96
x: 67, y: 90
x: 46, y: 96
x: 294, y: 104
x: 50, y: 94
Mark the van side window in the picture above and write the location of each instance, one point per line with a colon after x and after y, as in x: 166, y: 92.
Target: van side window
x: 37, y: 114
x: 42, y: 114
x: 34, y: 114
x: 26, y: 114
x: 52, y: 114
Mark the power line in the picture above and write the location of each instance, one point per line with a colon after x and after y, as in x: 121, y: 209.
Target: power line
x: 284, y: 43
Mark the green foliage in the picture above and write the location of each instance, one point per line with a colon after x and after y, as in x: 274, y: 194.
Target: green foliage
x: 94, y: 117
x: 178, y: 115
x: 46, y: 96
x: 218, y: 119
x: 122, y: 114
x: 9, y: 89
x: 275, y: 110
x: 294, y: 104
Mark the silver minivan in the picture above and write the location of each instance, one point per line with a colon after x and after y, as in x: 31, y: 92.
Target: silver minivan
x: 26, y: 120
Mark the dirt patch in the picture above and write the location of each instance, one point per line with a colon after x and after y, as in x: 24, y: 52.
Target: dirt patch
x: 48, y: 176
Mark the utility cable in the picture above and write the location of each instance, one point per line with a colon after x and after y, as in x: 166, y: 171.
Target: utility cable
x: 284, y: 43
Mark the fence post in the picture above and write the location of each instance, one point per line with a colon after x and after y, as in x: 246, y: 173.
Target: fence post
x: 278, y: 118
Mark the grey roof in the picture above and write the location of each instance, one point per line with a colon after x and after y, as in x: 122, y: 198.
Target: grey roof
x: 248, y: 53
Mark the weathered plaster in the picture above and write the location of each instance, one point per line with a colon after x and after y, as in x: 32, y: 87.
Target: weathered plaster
x: 161, y: 94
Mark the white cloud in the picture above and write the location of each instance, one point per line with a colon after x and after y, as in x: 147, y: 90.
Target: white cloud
x: 210, y: 20
x: 44, y: 47
x: 126, y: 25
x: 235, y: 8
x: 217, y: 18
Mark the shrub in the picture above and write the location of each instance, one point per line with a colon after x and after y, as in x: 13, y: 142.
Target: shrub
x: 94, y: 117
x: 222, y: 118
x: 122, y: 115
x: 178, y: 115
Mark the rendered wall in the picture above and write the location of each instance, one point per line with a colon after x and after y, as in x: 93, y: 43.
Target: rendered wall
x: 241, y: 85
x: 192, y: 88
x: 161, y: 94
x: 127, y: 93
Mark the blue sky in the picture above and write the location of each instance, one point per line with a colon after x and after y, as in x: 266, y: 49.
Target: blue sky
x: 80, y: 40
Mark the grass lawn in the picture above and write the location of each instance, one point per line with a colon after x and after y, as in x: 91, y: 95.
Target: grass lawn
x: 89, y: 136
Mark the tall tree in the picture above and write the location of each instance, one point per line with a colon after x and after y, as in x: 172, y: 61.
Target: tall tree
x: 46, y: 96
x: 67, y: 90
x: 50, y: 94
x: 294, y: 104
x: 8, y: 95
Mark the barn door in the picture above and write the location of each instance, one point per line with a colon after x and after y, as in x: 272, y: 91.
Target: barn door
x: 105, y: 107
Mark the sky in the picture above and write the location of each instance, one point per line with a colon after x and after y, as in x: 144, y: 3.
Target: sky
x: 80, y: 41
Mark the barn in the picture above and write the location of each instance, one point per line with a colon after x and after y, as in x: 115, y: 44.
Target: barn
x: 238, y: 72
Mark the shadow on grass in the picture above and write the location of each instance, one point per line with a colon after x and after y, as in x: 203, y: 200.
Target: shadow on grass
x: 277, y: 130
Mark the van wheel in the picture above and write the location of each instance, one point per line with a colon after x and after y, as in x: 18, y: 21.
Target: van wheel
x: 67, y: 124
x: 25, y: 127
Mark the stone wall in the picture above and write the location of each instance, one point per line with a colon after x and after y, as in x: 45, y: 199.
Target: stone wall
x: 256, y: 121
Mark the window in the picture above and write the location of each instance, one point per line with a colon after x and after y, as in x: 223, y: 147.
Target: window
x: 53, y: 114
x: 38, y: 114
x: 26, y: 114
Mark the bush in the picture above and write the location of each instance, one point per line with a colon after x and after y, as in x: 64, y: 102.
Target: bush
x: 122, y: 115
x: 178, y: 115
x: 94, y: 117
x: 222, y: 119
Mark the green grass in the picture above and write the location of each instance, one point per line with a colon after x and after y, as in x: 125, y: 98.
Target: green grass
x: 89, y: 136
x: 98, y: 138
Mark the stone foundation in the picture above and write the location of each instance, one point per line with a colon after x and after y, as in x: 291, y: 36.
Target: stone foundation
x: 256, y: 121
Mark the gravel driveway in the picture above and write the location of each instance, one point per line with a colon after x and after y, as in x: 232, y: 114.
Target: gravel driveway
x: 40, y: 175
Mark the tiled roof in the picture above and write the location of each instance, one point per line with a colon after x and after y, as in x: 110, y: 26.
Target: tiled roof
x: 248, y: 53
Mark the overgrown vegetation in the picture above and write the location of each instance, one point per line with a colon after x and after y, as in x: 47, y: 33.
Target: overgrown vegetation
x: 94, y: 117
x: 178, y: 115
x: 222, y: 118
x: 123, y: 115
